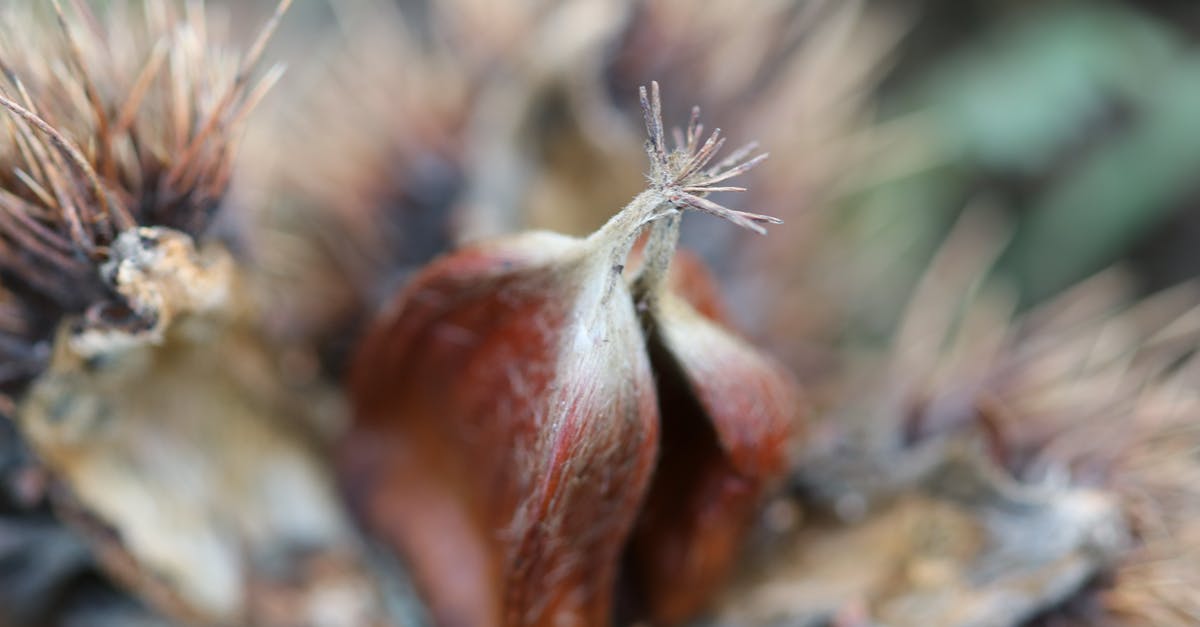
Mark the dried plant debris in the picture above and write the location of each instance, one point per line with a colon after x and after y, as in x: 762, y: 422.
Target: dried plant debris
x: 1087, y: 402
x: 183, y: 447
x: 961, y: 544
x: 189, y: 456
x: 114, y: 121
x: 1088, y: 391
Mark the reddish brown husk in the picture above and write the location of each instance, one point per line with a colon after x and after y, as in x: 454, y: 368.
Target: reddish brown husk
x: 506, y: 431
x: 729, y: 414
x: 506, y: 421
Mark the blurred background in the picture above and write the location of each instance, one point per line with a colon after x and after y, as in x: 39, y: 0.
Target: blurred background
x: 1074, y: 118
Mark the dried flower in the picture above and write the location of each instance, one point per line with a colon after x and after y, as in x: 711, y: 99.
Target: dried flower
x: 506, y: 415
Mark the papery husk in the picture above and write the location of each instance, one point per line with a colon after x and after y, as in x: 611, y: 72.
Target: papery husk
x: 188, y: 451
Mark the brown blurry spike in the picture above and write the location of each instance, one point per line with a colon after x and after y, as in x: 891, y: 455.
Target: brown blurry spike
x: 77, y: 159
x: 1089, y: 397
x: 184, y: 447
x: 373, y: 170
x: 103, y: 138
x: 235, y: 91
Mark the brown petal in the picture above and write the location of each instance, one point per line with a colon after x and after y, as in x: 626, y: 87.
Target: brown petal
x: 752, y: 401
x: 506, y: 430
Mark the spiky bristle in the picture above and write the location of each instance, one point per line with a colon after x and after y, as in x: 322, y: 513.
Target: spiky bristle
x: 686, y: 173
x: 113, y: 121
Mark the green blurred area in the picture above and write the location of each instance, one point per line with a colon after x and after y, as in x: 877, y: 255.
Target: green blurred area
x: 1080, y: 120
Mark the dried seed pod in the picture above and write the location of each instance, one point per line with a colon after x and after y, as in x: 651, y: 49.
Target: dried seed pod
x: 729, y: 414
x: 506, y: 418
x: 507, y: 429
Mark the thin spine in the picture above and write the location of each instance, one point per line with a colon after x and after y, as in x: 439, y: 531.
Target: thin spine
x: 241, y: 79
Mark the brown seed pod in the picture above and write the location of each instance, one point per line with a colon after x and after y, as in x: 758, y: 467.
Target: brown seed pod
x: 506, y: 422
x: 506, y: 430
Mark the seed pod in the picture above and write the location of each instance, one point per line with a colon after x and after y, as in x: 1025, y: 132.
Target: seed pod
x: 506, y: 418
x: 506, y: 430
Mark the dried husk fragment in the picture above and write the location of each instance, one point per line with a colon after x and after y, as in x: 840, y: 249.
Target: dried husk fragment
x: 187, y: 452
x: 182, y: 446
x: 955, y: 543
x: 118, y: 119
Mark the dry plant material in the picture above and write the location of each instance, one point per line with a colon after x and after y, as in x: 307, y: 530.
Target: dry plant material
x: 956, y: 543
x: 1088, y: 401
x: 1092, y: 390
x: 182, y: 445
x: 112, y: 124
x: 185, y: 452
x: 506, y: 418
